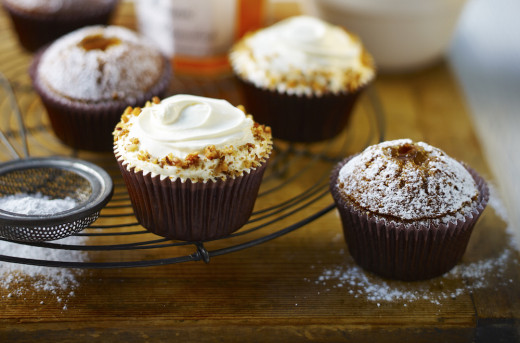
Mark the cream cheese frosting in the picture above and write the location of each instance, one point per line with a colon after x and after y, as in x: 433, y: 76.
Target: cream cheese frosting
x: 408, y: 181
x: 167, y: 137
x: 303, y: 55
x: 183, y: 124
x: 99, y: 63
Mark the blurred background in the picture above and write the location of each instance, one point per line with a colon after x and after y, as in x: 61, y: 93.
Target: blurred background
x: 485, y: 55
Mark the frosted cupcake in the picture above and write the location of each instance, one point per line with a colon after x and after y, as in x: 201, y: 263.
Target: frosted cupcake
x: 302, y: 77
x: 192, y: 165
x: 87, y: 78
x: 407, y: 208
x: 38, y: 22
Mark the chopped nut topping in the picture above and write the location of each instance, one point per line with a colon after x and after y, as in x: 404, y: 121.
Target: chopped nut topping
x: 211, y: 152
x: 143, y: 156
x: 132, y: 147
x: 172, y: 160
x: 136, y: 111
x: 191, y: 159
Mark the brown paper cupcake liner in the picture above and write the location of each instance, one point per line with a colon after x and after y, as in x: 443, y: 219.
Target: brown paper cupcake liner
x: 89, y: 126
x: 299, y: 118
x: 192, y: 211
x: 34, y: 31
x: 405, y: 251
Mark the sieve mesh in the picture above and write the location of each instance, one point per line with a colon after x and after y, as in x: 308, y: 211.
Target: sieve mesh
x: 56, y: 178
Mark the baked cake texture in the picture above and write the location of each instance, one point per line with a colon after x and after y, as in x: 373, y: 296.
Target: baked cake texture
x: 407, y: 208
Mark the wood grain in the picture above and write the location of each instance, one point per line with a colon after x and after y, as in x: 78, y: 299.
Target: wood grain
x: 274, y: 292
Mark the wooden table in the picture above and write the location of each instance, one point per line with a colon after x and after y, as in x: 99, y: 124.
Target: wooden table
x: 285, y: 289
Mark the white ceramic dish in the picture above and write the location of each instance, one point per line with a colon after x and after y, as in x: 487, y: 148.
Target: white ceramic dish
x: 402, y: 35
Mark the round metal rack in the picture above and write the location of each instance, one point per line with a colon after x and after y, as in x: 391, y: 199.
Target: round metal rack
x: 294, y: 190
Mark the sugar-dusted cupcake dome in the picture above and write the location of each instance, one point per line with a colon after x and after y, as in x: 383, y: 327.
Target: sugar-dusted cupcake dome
x: 408, y: 181
x: 100, y: 63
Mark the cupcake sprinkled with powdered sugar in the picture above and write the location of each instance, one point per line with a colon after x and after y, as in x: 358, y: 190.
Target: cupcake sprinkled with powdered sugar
x: 407, y: 208
x: 88, y: 77
x: 99, y: 63
x: 408, y: 181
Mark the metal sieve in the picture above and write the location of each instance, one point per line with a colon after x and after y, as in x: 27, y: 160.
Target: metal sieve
x: 55, y: 178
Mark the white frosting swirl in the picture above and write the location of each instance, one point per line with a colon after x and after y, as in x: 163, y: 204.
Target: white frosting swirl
x: 309, y: 36
x: 191, y: 137
x: 184, y: 124
x: 299, y: 46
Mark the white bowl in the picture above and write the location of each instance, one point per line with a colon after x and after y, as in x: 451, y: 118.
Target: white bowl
x: 402, y: 35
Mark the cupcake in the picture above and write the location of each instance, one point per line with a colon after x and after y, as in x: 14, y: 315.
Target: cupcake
x: 88, y: 77
x: 407, y: 208
x: 302, y: 77
x: 38, y: 22
x: 192, y: 165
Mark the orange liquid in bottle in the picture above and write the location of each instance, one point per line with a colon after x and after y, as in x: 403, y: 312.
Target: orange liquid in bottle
x: 249, y: 16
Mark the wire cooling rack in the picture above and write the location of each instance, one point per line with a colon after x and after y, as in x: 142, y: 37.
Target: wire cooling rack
x: 294, y: 190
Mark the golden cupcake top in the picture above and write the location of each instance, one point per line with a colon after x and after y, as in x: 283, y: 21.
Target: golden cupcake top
x: 191, y: 137
x: 303, y: 55
x: 100, y: 63
x: 408, y: 181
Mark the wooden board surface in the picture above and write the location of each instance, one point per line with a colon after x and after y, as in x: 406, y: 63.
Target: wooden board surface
x: 302, y: 286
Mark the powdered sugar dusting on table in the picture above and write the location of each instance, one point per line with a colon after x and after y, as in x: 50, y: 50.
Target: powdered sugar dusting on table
x: 351, y: 278
x: 55, y: 284
x: 20, y: 280
x: 384, y: 184
x: 361, y: 284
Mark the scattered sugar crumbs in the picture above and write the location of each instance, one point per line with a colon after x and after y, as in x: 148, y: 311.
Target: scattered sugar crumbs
x: 475, y: 275
x: 54, y: 286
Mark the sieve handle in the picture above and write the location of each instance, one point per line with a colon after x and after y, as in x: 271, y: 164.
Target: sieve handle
x: 6, y: 85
